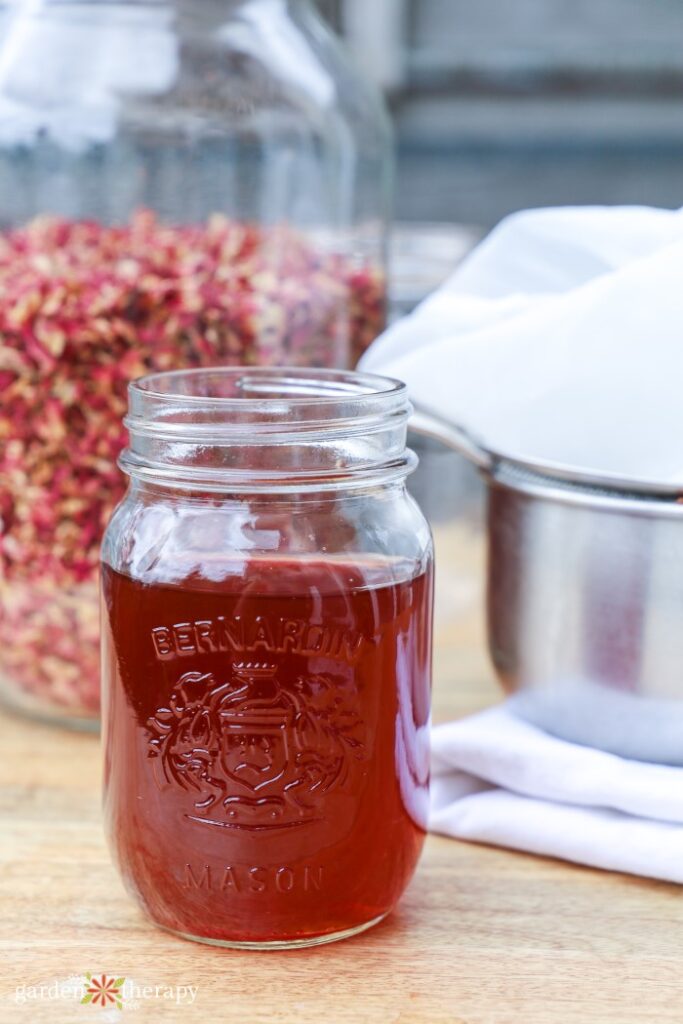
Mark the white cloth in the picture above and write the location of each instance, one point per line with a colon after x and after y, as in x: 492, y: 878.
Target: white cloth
x: 558, y: 339
x: 496, y: 779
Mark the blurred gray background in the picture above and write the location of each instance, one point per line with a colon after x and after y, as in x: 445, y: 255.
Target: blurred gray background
x: 501, y: 105
x: 506, y: 104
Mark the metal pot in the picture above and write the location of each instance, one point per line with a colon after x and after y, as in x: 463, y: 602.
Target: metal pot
x: 584, y: 600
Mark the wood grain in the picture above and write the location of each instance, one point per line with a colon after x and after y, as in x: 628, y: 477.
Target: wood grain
x: 483, y: 936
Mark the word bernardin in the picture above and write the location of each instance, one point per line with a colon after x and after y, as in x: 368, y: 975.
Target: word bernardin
x: 275, y: 635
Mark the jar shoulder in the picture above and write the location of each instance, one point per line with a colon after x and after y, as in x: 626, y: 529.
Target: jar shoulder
x: 168, y: 539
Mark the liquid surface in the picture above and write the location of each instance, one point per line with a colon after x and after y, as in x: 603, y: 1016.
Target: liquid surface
x: 266, y: 743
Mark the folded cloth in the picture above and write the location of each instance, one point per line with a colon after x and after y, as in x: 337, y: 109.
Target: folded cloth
x: 497, y: 779
x: 558, y: 340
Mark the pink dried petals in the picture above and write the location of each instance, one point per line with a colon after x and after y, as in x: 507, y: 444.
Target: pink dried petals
x: 60, y: 629
x: 85, y: 308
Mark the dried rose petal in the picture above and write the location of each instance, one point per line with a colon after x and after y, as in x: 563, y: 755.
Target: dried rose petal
x: 84, y: 308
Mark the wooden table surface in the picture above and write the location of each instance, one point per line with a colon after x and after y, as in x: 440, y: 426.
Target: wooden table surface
x: 482, y: 935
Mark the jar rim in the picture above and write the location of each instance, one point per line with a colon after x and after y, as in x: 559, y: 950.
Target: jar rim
x: 323, y: 382
x: 258, y: 427
x: 248, y: 403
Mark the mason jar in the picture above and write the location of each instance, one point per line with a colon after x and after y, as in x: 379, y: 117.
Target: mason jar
x: 267, y: 627
x: 182, y: 183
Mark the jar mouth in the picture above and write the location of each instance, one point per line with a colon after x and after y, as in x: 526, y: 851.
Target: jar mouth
x: 254, y: 426
x: 229, y: 401
x: 231, y: 387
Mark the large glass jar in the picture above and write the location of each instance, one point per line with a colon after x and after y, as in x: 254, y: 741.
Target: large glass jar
x: 267, y: 609
x: 182, y: 183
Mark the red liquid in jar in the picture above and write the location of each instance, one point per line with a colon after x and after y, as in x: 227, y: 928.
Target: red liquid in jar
x: 266, y: 745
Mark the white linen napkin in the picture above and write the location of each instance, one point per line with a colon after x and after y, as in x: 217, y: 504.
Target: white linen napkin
x: 558, y: 339
x: 496, y: 779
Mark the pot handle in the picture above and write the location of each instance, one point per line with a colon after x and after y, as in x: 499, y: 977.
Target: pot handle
x: 457, y: 438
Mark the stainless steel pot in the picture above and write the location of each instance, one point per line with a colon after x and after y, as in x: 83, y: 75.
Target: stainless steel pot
x: 584, y: 600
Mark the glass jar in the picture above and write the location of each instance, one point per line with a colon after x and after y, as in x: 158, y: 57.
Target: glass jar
x: 267, y: 616
x: 182, y: 183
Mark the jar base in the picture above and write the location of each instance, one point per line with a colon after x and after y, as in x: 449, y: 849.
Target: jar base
x: 280, y: 944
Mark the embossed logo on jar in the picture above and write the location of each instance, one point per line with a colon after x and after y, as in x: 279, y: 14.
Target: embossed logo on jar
x: 259, y: 636
x: 236, y: 879
x: 250, y: 754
